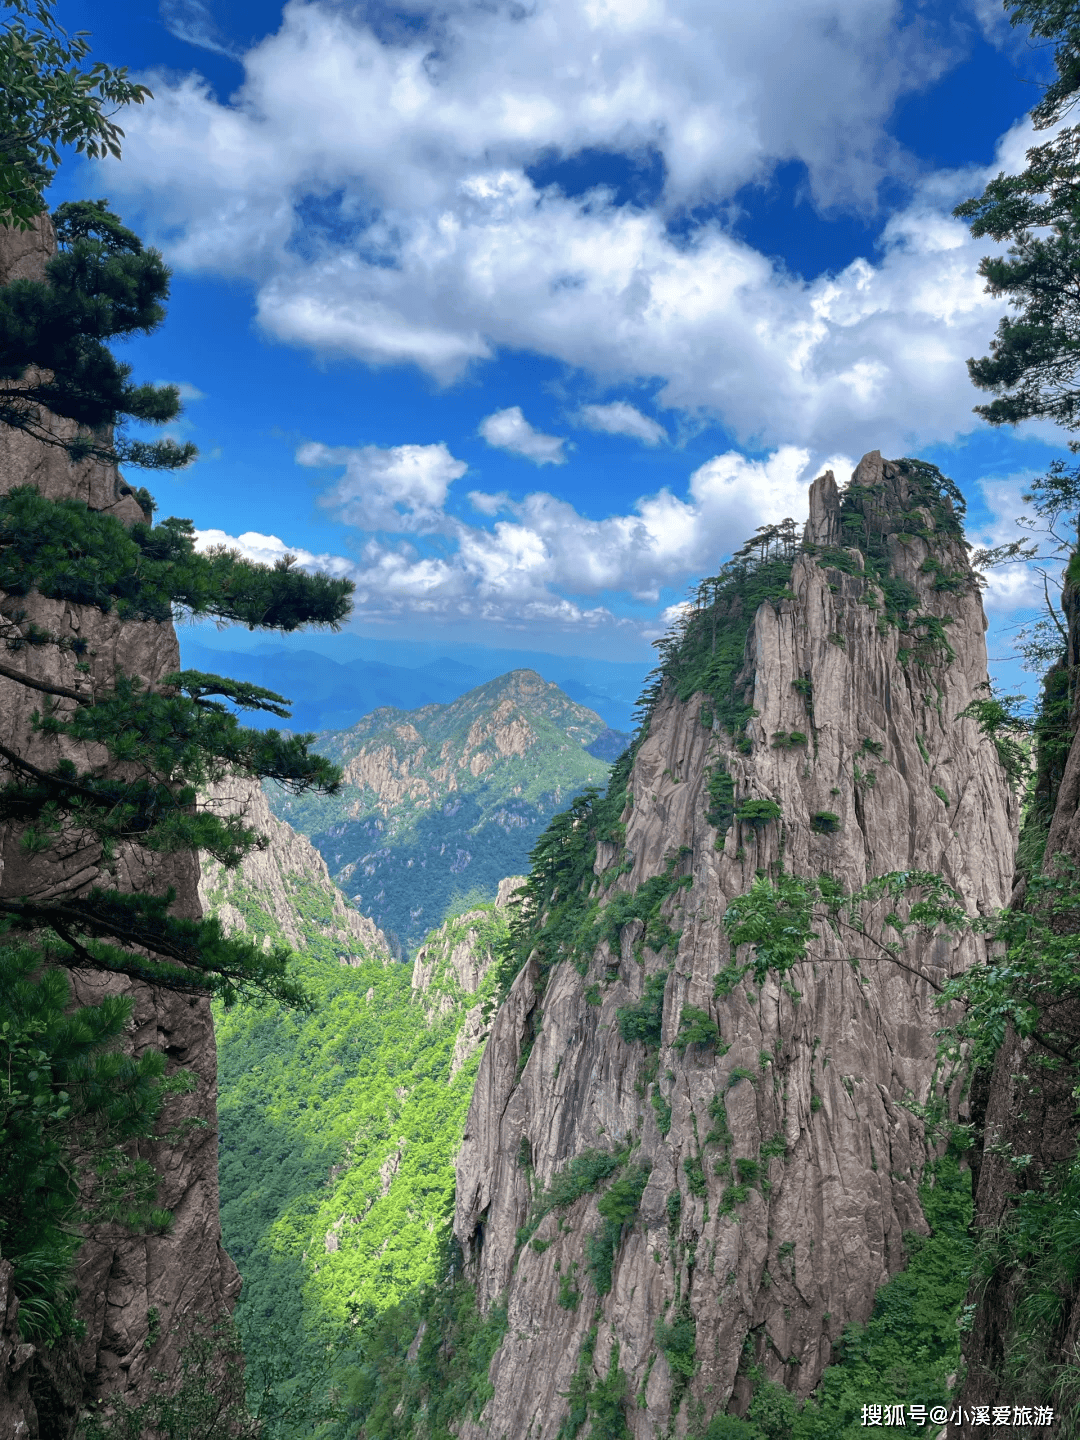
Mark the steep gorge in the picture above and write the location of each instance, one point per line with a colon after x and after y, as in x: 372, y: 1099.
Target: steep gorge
x: 769, y: 1176
x: 339, y: 1126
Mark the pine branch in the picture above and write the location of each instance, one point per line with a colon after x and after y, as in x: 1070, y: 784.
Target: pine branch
x: 41, y: 685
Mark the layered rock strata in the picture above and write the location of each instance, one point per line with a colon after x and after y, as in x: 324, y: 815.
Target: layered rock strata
x: 888, y: 779
x: 128, y: 1285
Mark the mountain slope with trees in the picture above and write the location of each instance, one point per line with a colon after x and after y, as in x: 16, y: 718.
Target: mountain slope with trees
x: 442, y: 802
x: 338, y: 1127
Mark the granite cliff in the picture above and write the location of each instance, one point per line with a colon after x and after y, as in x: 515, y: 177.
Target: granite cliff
x: 274, y: 878
x: 128, y: 1285
x: 767, y: 1163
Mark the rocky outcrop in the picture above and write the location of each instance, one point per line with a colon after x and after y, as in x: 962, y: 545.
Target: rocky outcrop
x: 273, y: 874
x: 18, y: 1413
x: 451, y: 968
x: 855, y: 736
x: 128, y: 1285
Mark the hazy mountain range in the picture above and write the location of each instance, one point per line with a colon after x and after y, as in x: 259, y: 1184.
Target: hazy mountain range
x: 335, y: 680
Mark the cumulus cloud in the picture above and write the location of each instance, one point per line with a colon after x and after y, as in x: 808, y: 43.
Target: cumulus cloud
x: 269, y: 549
x: 540, y: 562
x: 402, y: 488
x: 437, y: 249
x: 509, y: 430
x: 620, y: 418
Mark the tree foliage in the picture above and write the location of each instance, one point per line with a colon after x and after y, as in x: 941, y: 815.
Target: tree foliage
x: 68, y: 1102
x: 102, y: 285
x: 66, y: 551
x: 112, y: 771
x: 48, y: 100
x: 1033, y: 360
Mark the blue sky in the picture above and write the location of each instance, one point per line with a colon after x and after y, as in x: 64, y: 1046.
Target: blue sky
x: 524, y: 316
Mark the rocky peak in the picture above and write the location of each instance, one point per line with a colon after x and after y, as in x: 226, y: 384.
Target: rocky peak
x: 776, y: 1164
x: 823, y: 523
x: 395, y: 757
x: 447, y: 799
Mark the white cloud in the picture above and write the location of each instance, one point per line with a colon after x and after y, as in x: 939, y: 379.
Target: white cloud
x: 402, y: 488
x: 268, y: 550
x: 509, y: 430
x: 187, y: 390
x: 1013, y: 588
x: 442, y: 251
x: 541, y: 564
x: 619, y: 418
x: 191, y: 20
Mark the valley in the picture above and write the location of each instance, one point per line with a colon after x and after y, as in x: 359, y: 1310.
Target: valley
x: 429, y: 1151
x: 422, y: 1017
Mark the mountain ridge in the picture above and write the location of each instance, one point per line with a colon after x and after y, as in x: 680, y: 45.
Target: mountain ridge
x: 456, y: 793
x: 332, y: 682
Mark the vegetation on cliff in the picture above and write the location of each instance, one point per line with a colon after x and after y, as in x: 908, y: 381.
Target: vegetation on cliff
x: 338, y: 1131
x: 54, y: 358
x: 67, y: 1092
x: 1022, y: 1023
x: 68, y: 1098
x: 910, y: 1347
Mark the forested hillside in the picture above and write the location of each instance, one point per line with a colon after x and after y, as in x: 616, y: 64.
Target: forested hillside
x: 442, y: 802
x: 338, y: 1127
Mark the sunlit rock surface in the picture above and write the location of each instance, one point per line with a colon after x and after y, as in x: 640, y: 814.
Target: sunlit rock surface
x: 805, y: 1252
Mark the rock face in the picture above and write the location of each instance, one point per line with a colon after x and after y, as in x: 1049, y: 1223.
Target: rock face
x: 1027, y: 1107
x: 273, y: 874
x: 18, y: 1413
x: 808, y: 1093
x: 121, y: 1278
x: 451, y: 967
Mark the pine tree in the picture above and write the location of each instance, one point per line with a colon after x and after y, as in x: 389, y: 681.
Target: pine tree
x: 64, y: 1090
x: 68, y: 1098
x: 145, y: 756
x: 1034, y: 359
x: 103, y: 285
x: 161, y: 746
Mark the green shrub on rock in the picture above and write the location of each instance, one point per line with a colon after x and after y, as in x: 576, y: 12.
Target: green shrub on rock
x: 758, y: 813
x: 824, y: 822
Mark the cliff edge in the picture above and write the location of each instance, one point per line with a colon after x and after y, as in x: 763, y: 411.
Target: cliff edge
x: 765, y: 1166
x: 138, y: 1295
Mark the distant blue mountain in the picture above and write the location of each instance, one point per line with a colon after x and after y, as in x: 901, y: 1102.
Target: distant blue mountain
x: 335, y: 680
